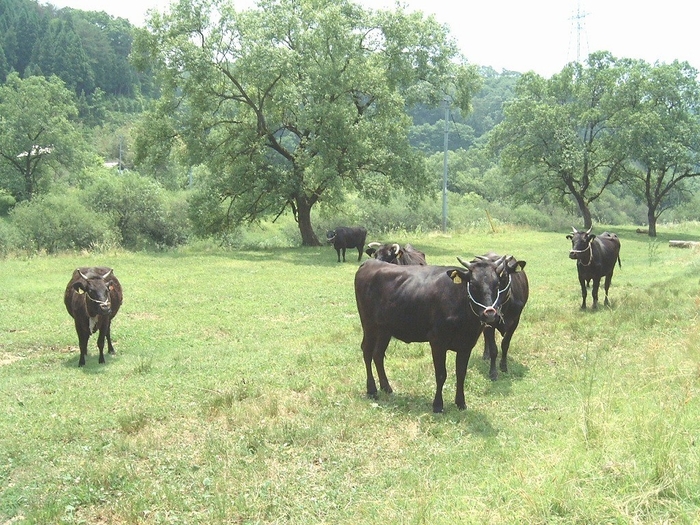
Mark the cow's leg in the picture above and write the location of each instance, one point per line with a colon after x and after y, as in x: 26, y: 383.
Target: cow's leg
x: 359, y: 252
x: 608, y: 278
x: 505, y: 344
x: 584, y: 292
x: 491, y: 350
x: 594, y: 291
x: 461, y: 362
x: 101, y: 344
x: 338, y: 252
x: 83, y: 337
x: 439, y: 357
x: 108, y: 334
x: 367, y: 351
x: 380, y: 344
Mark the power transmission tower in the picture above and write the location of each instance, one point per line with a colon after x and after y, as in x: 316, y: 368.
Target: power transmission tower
x: 578, y: 26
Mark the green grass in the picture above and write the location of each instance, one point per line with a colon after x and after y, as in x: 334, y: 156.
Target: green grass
x: 237, y: 396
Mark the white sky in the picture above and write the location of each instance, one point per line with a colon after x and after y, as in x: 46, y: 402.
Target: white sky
x: 523, y: 35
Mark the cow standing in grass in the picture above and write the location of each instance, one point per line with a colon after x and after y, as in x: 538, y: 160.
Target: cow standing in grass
x: 595, y: 257
x: 393, y: 253
x: 509, y: 319
x: 342, y: 238
x: 445, y: 306
x: 93, y: 297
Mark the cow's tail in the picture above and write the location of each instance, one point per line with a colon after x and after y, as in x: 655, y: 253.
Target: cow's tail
x: 619, y: 263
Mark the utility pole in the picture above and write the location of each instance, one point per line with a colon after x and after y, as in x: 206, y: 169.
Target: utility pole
x: 444, y: 166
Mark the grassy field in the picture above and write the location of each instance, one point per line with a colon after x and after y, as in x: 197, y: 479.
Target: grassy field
x: 237, y: 396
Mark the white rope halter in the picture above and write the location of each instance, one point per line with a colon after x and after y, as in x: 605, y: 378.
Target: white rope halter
x: 590, y: 255
x: 498, y: 296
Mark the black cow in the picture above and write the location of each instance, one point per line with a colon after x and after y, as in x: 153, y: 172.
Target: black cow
x: 93, y: 297
x: 596, y: 256
x: 342, y: 238
x: 425, y: 303
x: 393, y: 253
x: 511, y: 309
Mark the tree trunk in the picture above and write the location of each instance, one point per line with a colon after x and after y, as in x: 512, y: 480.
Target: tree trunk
x: 585, y: 212
x: 651, y: 217
x: 303, y: 216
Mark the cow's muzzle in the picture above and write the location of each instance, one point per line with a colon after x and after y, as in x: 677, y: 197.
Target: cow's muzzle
x: 489, y: 315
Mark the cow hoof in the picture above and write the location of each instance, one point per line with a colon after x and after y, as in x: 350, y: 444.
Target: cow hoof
x: 493, y: 377
x: 372, y: 395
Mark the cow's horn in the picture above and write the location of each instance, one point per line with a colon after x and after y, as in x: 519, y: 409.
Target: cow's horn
x: 374, y: 244
x: 108, y: 273
x: 574, y: 230
x: 500, y: 264
x: 464, y: 263
x: 82, y: 274
x: 396, y: 247
x: 589, y: 230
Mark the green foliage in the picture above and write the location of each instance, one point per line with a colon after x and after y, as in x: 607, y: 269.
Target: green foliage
x: 7, y: 201
x: 87, y: 50
x: 308, y: 104
x: 661, y: 135
x: 54, y: 223
x: 139, y: 209
x: 10, y: 240
x: 38, y: 133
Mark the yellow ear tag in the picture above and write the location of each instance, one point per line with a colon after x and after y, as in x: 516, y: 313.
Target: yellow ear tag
x: 81, y: 291
x: 456, y: 278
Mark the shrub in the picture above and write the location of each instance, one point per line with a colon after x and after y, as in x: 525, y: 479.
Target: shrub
x: 60, y: 222
x: 144, y: 214
x: 9, y: 238
x: 7, y: 201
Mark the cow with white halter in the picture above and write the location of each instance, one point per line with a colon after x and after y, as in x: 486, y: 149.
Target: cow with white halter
x: 595, y: 257
x: 93, y: 297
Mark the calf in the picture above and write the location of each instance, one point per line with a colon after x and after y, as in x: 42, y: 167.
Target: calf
x: 93, y: 297
x: 508, y: 321
x: 595, y: 257
x: 445, y: 306
x: 342, y: 238
x: 393, y: 253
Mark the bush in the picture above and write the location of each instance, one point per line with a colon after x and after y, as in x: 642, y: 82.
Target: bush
x: 9, y: 238
x: 144, y: 214
x: 7, y: 201
x: 60, y: 222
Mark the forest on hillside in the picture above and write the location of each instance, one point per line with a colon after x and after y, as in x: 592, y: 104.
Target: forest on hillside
x: 82, y: 91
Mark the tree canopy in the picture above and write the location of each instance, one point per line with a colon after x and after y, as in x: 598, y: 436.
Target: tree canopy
x: 662, y: 135
x: 37, y: 132
x: 556, y: 136
x: 296, y: 102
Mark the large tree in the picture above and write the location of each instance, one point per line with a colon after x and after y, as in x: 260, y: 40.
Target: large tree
x: 557, y: 135
x: 662, y: 134
x: 296, y: 102
x: 38, y: 132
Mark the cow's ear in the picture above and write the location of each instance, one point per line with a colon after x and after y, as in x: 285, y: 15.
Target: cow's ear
x: 570, y: 237
x: 521, y: 265
x: 458, y: 276
x: 591, y: 237
x: 370, y: 252
x: 78, y: 287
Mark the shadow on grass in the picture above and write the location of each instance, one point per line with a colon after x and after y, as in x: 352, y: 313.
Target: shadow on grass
x: 474, y: 421
x: 91, y: 367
